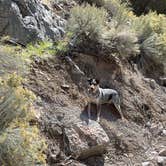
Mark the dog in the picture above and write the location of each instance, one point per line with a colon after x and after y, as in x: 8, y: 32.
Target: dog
x: 100, y: 96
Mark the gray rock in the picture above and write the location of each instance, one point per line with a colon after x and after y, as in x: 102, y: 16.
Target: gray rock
x: 161, y: 161
x: 29, y: 20
x: 162, y: 152
x: 151, y: 82
x: 164, y: 132
x: 86, y: 140
x: 65, y: 87
x: 147, y: 163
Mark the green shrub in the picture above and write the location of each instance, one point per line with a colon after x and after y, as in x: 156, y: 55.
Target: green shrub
x: 87, y: 22
x: 42, y: 49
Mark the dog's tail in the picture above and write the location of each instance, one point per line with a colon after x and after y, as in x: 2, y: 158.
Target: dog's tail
x: 116, y: 101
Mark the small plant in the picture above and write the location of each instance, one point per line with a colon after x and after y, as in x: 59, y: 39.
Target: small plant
x: 43, y: 49
x: 87, y: 22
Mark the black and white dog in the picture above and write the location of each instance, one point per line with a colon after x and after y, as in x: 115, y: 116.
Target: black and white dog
x: 100, y: 96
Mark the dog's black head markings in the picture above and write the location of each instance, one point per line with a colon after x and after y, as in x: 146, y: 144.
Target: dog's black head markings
x: 93, y: 84
x: 93, y: 81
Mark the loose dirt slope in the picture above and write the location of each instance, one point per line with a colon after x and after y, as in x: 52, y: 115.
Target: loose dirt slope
x: 62, y: 101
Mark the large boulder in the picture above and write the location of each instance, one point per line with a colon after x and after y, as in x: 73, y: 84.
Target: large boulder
x: 86, y: 140
x: 29, y: 20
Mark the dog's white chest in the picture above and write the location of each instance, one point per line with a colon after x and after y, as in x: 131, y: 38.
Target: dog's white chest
x: 94, y: 100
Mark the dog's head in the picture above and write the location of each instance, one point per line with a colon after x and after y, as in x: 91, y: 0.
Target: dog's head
x: 93, y: 85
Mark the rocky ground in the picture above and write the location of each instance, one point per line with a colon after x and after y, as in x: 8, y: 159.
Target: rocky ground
x: 61, y: 111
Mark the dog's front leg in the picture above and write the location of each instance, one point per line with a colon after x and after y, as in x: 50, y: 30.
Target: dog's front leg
x: 89, y: 113
x: 98, y: 112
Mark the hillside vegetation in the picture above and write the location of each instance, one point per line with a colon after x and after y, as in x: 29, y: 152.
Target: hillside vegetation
x: 121, y: 42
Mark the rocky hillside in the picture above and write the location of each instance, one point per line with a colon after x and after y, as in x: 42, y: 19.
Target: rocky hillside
x: 25, y: 21
x: 107, y: 43
x: 63, y: 114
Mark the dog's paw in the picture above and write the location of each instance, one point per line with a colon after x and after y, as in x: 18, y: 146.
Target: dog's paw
x: 98, y: 120
x: 89, y: 121
x: 124, y: 120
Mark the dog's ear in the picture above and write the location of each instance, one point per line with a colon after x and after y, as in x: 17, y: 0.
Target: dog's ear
x: 89, y: 80
x: 97, y: 81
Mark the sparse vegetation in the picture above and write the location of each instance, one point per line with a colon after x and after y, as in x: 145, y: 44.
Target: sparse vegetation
x: 43, y: 48
x: 20, y: 143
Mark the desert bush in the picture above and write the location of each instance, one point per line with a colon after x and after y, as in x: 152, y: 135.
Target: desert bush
x: 149, y: 24
x: 122, y: 41
x: 151, y: 29
x: 119, y: 12
x: 161, y: 47
x: 15, y: 101
x: 20, y: 143
x: 87, y: 22
x: 22, y: 146
x: 153, y: 50
x: 11, y: 61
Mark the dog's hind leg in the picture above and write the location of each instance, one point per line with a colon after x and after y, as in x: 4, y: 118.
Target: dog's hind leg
x: 116, y: 102
x: 117, y: 106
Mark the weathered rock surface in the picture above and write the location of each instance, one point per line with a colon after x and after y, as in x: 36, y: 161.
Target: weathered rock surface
x: 29, y: 20
x: 86, y: 140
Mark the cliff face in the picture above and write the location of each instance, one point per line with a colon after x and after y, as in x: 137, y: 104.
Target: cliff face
x: 26, y: 21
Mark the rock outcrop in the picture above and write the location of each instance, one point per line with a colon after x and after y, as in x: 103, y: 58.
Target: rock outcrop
x: 86, y: 140
x: 29, y: 20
